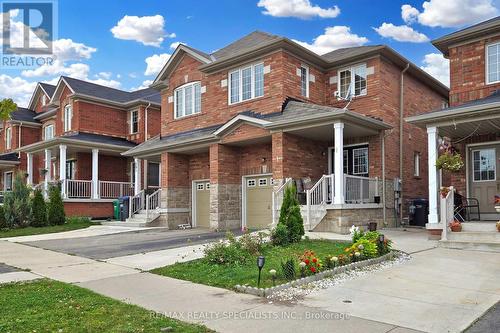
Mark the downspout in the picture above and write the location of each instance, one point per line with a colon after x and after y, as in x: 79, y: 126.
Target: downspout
x: 19, y: 145
x: 146, y: 139
x: 401, y: 137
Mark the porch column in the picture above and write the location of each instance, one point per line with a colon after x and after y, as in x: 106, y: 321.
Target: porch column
x: 48, y: 167
x: 95, y: 173
x: 62, y: 169
x: 338, y: 198
x: 137, y: 175
x: 432, y: 141
x: 145, y: 181
x: 29, y: 167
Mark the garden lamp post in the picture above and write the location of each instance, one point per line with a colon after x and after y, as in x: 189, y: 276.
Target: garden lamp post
x: 261, y: 260
x: 381, y: 239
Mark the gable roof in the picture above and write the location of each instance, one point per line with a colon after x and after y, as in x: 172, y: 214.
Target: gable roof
x: 104, y: 93
x: 350, y: 52
x: 482, y: 29
x: 245, y: 43
x: 47, y: 89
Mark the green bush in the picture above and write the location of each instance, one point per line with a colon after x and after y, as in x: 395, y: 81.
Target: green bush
x: 38, y: 210
x: 289, y: 270
x: 368, y: 248
x: 251, y: 243
x: 55, y: 209
x: 78, y: 219
x: 3, y: 224
x: 290, y: 228
x: 17, y: 205
x: 230, y: 252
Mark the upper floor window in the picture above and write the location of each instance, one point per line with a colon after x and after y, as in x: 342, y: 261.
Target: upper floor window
x: 493, y: 63
x: 304, y: 81
x: 246, y: 83
x: 134, y: 121
x: 48, y: 132
x: 68, y: 114
x: 187, y: 100
x: 44, y: 100
x: 352, y: 81
x: 416, y: 164
x: 8, y: 138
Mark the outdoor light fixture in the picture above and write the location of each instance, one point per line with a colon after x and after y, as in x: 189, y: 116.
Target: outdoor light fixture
x: 263, y: 159
x: 261, y: 260
x: 381, y: 238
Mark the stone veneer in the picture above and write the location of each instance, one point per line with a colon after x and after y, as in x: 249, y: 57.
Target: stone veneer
x: 340, y: 220
x: 178, y: 201
x: 225, y: 206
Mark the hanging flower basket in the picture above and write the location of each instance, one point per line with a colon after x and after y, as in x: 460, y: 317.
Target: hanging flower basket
x: 448, y: 161
x: 444, y: 191
x: 455, y: 226
x: 43, y: 171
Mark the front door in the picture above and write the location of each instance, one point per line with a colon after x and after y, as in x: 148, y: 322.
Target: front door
x: 484, y: 178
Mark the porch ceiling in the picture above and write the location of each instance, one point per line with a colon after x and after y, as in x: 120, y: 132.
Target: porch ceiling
x: 324, y: 132
x: 470, y: 128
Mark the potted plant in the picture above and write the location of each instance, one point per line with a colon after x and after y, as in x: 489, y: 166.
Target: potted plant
x: 444, y: 191
x: 497, y: 204
x: 455, y: 226
x: 450, y: 161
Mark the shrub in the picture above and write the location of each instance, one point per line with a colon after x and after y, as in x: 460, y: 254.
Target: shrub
x: 17, y: 206
x: 38, y: 210
x: 288, y: 268
x: 78, y: 219
x: 292, y: 224
x: 230, y: 252
x: 367, y: 248
x: 356, y: 233
x: 3, y: 224
x: 55, y: 209
x: 251, y: 243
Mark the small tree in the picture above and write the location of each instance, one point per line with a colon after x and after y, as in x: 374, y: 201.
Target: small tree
x: 17, y: 205
x: 7, y: 106
x: 38, y: 210
x: 55, y: 209
x: 290, y: 228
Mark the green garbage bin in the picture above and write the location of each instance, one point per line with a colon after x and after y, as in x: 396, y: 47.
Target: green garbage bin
x: 116, y: 209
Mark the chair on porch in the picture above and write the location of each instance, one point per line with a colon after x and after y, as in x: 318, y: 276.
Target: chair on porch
x: 463, y: 207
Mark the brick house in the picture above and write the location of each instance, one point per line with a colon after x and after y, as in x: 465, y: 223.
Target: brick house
x: 240, y: 123
x: 472, y: 122
x: 74, y: 133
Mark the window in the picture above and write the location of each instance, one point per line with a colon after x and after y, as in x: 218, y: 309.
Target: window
x: 251, y: 183
x: 360, y: 161
x: 8, y: 138
x: 304, y: 81
x: 263, y: 182
x: 352, y: 81
x: 70, y: 169
x: 7, y: 184
x: 493, y: 63
x: 153, y: 174
x: 48, y: 132
x: 416, y: 164
x: 200, y: 186
x: 44, y: 100
x: 484, y: 164
x: 187, y: 100
x: 134, y: 122
x: 246, y: 83
x: 68, y: 114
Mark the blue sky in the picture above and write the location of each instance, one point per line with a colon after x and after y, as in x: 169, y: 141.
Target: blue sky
x: 108, y: 41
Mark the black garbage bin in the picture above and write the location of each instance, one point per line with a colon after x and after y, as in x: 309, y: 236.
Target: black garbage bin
x: 418, y: 212
x: 124, y: 207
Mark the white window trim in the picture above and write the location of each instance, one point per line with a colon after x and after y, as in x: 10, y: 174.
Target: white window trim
x: 416, y: 164
x: 307, y: 80
x: 8, y: 138
x: 352, y: 86
x: 45, y: 132
x: 68, y: 119
x: 11, y: 180
x: 252, y: 83
x: 193, y: 100
x: 367, y: 161
x: 132, y: 121
x: 486, y: 62
x: 494, y: 166
x: 250, y: 181
x: 44, y: 100
x: 262, y: 181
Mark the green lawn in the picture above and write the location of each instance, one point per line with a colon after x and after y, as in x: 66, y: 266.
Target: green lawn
x: 44, y: 230
x: 50, y: 306
x: 227, y: 276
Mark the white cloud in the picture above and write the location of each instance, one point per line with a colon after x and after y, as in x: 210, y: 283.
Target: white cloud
x: 302, y: 9
x: 409, y: 13
x: 155, y: 63
x: 17, y: 88
x: 145, y: 84
x: 438, y: 66
x: 401, y: 33
x: 104, y: 82
x: 148, y: 30
x: 174, y: 45
x: 66, y: 49
x: 77, y: 70
x: 104, y: 75
x: 447, y: 13
x: 336, y: 37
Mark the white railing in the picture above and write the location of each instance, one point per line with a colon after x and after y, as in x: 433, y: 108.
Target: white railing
x: 277, y: 199
x: 316, y: 199
x: 153, y: 202
x: 81, y: 189
x: 360, y: 189
x: 136, y: 203
x: 113, y: 190
x: 447, y: 209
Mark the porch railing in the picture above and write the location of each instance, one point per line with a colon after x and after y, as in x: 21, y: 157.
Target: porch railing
x: 78, y: 189
x: 447, y: 209
x: 153, y: 202
x: 113, y: 190
x: 277, y: 199
x: 360, y: 189
x: 136, y: 203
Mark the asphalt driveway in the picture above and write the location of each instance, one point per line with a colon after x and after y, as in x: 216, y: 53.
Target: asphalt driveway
x: 128, y: 243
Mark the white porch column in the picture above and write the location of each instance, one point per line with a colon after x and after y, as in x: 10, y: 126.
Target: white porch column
x: 48, y: 168
x: 29, y: 167
x: 137, y: 176
x: 95, y: 173
x: 62, y: 169
x: 432, y: 141
x: 338, y: 199
x: 145, y: 181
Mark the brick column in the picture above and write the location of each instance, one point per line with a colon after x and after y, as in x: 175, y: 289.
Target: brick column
x: 176, y: 190
x: 278, y: 156
x: 225, y: 187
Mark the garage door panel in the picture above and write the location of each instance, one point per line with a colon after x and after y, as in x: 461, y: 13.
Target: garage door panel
x: 258, y: 202
x: 203, y: 204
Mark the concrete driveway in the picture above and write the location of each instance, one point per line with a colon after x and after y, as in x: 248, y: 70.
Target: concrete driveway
x: 128, y: 243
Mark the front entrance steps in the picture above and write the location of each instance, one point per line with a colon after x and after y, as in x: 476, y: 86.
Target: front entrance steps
x: 138, y: 220
x: 480, y: 236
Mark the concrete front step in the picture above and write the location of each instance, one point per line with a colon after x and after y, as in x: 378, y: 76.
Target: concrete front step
x: 466, y: 245
x: 474, y: 236
x: 131, y: 224
x: 479, y: 226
